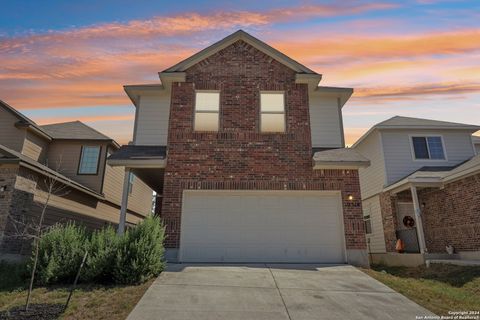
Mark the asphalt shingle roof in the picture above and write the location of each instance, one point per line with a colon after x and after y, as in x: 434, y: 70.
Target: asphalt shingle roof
x: 75, y: 130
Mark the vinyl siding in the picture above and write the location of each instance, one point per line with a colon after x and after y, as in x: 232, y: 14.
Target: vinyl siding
x: 10, y: 136
x: 73, y: 201
x: 64, y: 156
x: 477, y: 148
x: 35, y: 147
x: 325, y: 121
x: 398, y: 154
x: 152, y: 119
x: 372, y: 207
x: 372, y: 178
x: 139, y: 201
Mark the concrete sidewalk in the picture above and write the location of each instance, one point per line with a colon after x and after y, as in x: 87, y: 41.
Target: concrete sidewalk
x: 271, y: 292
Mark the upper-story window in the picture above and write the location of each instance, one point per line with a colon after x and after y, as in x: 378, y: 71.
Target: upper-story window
x: 428, y: 147
x: 207, y: 111
x: 89, y: 160
x: 272, y: 112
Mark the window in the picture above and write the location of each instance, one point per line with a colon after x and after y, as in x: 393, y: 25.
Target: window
x: 428, y: 148
x: 368, y: 224
x: 131, y: 180
x: 206, y: 111
x: 272, y: 112
x: 89, y: 158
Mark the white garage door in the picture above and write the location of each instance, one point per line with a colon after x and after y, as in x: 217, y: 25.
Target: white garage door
x: 262, y: 226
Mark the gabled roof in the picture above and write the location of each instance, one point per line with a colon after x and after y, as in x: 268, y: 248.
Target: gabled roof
x: 418, y: 123
x: 399, y: 122
x: 234, y: 37
x: 74, y: 130
x: 23, y: 120
x: 8, y: 155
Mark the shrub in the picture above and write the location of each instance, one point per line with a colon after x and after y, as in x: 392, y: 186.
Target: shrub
x: 102, y: 249
x: 140, y: 252
x: 132, y: 258
x: 61, y: 250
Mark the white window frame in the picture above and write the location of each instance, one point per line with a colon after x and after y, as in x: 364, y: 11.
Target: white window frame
x: 412, y: 149
x: 195, y: 111
x: 81, y: 160
x: 273, y: 112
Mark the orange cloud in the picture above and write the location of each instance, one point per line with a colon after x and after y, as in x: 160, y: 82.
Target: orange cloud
x: 425, y: 89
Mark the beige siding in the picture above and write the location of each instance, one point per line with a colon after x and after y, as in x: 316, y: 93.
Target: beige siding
x: 64, y: 156
x: 139, y: 201
x: 398, y: 153
x: 10, y: 136
x: 71, y: 200
x: 35, y: 147
x: 152, y: 119
x: 376, y: 239
x: 372, y: 178
x: 325, y: 121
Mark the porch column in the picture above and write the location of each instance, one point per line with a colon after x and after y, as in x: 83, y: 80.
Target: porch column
x: 123, y: 209
x: 418, y: 216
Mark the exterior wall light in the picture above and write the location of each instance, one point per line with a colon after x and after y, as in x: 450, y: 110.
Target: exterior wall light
x: 350, y: 197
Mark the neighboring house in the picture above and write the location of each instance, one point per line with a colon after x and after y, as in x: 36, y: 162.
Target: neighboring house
x: 476, y: 143
x: 422, y: 172
x: 246, y: 151
x: 74, y: 153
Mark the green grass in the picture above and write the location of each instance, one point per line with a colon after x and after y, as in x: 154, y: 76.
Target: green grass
x: 440, y: 288
x: 88, y: 301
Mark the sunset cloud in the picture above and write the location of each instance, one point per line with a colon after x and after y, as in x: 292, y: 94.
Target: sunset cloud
x: 384, y: 61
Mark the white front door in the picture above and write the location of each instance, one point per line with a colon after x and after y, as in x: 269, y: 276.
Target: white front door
x: 262, y: 226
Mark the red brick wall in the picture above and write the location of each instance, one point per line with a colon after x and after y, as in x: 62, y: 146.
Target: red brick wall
x: 239, y: 156
x: 451, y: 215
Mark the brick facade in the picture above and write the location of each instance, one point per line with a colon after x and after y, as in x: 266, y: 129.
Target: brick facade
x: 452, y: 215
x: 239, y: 157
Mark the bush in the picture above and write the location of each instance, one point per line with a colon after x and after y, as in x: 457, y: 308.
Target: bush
x: 132, y: 258
x: 140, y: 253
x: 102, y: 249
x: 61, y: 250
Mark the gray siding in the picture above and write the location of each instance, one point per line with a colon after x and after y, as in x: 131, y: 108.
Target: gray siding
x: 325, y: 121
x: 399, y: 160
x: 10, y: 136
x: 376, y: 239
x: 152, y: 119
x: 477, y: 148
x: 372, y: 178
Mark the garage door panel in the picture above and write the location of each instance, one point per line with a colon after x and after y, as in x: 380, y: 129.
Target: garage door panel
x: 261, y: 227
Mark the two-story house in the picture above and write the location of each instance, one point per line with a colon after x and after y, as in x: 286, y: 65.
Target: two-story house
x: 423, y: 187
x: 71, y: 157
x: 246, y: 153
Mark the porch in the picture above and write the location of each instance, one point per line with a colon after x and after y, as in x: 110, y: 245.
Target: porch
x: 144, y: 162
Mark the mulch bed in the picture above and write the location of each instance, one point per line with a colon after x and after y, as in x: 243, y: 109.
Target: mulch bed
x: 43, y: 311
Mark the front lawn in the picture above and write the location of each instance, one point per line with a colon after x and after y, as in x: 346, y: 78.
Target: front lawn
x: 440, y: 288
x: 88, y: 301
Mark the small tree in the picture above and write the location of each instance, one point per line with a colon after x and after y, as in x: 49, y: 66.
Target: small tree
x: 33, y: 229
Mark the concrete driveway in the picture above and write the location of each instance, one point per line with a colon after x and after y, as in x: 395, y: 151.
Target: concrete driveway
x: 271, y: 292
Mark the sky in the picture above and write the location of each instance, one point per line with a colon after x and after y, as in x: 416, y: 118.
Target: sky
x: 68, y: 60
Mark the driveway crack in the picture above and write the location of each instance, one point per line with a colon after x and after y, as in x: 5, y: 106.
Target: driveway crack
x: 279, y: 292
